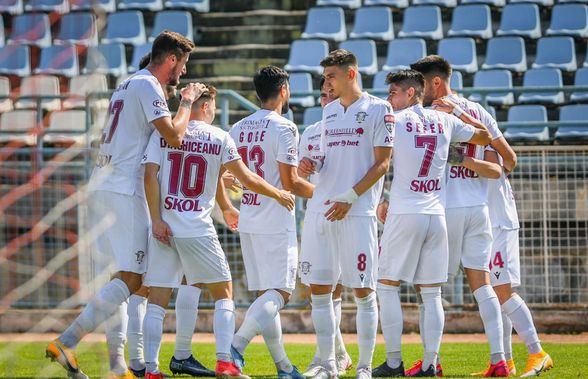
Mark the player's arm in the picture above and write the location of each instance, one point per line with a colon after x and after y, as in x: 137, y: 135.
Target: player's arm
x: 161, y: 231
x: 487, y: 168
x: 230, y: 213
x: 509, y: 157
x: 294, y: 183
x: 481, y: 135
x: 256, y: 184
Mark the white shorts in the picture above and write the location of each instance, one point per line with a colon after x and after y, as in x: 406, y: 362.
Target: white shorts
x: 270, y: 260
x: 505, y: 264
x: 121, y: 225
x: 345, y: 250
x: 469, y: 233
x: 200, y: 259
x: 413, y: 249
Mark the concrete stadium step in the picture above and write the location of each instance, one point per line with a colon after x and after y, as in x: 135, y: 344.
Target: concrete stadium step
x: 198, y: 68
x: 253, y: 17
x: 240, y: 5
x: 249, y: 50
x: 235, y: 82
x: 260, y: 34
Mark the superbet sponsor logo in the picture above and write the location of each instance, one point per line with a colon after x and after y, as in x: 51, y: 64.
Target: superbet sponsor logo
x: 425, y: 186
x: 181, y: 205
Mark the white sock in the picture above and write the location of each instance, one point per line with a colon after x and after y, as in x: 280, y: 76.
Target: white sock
x: 522, y: 321
x: 272, y: 335
x: 433, y: 324
x: 367, y: 328
x: 136, y: 312
x: 391, y: 322
x: 489, y: 308
x: 422, y: 321
x: 507, y: 336
x: 224, y: 328
x: 104, y: 304
x: 116, y: 336
x: 323, y: 319
x: 261, y: 312
x: 186, y: 315
x: 339, y: 343
x: 153, y: 326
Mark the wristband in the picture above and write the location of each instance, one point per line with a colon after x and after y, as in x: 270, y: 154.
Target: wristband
x: 347, y: 197
x: 457, y: 111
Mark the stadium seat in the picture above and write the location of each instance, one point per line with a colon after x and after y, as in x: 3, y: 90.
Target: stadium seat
x: 20, y: 126
x: 39, y: 85
x: 379, y: 83
x: 202, y: 6
x: 423, y: 22
x: 144, y: 5
x: 581, y: 79
x: 312, y: 115
x: 11, y: 6
x: 471, y: 21
x: 493, y: 3
x: 59, y: 60
x: 138, y: 53
x: 301, y: 82
x: 441, y: 3
x: 492, y: 79
x: 527, y: 113
x: 125, y: 27
x: 108, y: 6
x: 57, y: 6
x: 573, y: 1
x: 81, y: 86
x: 78, y: 28
x: 351, y: 4
x: 576, y: 112
x: 106, y: 59
x: 491, y: 110
x: 305, y: 55
x: 390, y: 3
x: 541, y: 3
x: 570, y: 20
x: 15, y: 60
x: 460, y: 52
x: 66, y: 127
x: 5, y: 101
x: 373, y: 23
x: 365, y: 52
x: 542, y: 77
x: 31, y: 29
x: 556, y: 52
x: 403, y: 52
x: 456, y: 81
x: 176, y: 21
x: 325, y: 23
x: 506, y: 52
x: 520, y: 20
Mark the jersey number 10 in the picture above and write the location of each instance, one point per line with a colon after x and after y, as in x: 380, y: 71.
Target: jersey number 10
x: 190, y: 170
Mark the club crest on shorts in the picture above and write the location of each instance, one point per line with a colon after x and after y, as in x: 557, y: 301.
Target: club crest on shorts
x: 360, y: 117
x: 305, y: 267
x: 140, y: 255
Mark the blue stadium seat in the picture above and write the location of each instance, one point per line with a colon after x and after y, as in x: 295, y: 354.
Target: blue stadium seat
x: 301, y: 82
x: 39, y: 85
x: 11, y: 6
x: 312, y: 115
x: 490, y: 109
x: 570, y: 20
x: 351, y: 4
x: 391, y: 3
x: 456, y: 81
x: 379, y: 82
x: 373, y: 23
x: 581, y: 79
x: 145, y: 5
x: 108, y: 6
x: 31, y: 29
x: 460, y: 52
x: 556, y: 52
x: 125, y: 27
x: 305, y: 55
x: 78, y: 28
x: 21, y: 124
x: 176, y: 21
x: 542, y: 3
x: 441, y: 3
x: 471, y: 21
x: 527, y: 113
x: 422, y: 22
x: 202, y: 6
x: 520, y: 20
x: 493, y: 3
x: 81, y: 86
x: 106, y: 59
x: 325, y: 23
x: 573, y: 1
x: 59, y: 60
x: 2, y: 39
x: 542, y: 77
x: 506, y: 52
x: 6, y: 102
x: 403, y: 52
x: 365, y: 52
x: 138, y: 53
x: 576, y: 112
x: 57, y: 6
x: 492, y: 79
x: 15, y: 60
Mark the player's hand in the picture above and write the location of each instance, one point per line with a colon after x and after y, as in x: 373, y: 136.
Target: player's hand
x: 231, y: 217
x: 306, y: 167
x: 161, y: 231
x: 455, y: 157
x: 338, y: 210
x: 192, y: 91
x: 231, y: 182
x: 286, y: 199
x: 443, y: 104
x: 382, y: 211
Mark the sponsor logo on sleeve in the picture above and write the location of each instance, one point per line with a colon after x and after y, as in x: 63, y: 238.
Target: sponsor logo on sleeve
x: 160, y: 104
x: 389, y: 122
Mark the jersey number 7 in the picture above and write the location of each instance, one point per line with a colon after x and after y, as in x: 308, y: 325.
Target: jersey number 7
x: 430, y: 144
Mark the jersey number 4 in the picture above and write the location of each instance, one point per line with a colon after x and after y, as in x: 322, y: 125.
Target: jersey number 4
x: 255, y: 155
x: 190, y: 170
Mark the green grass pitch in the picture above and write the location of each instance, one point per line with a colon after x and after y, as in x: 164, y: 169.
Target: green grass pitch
x: 26, y: 360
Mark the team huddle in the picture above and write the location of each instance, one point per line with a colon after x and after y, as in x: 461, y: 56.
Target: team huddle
x: 450, y: 204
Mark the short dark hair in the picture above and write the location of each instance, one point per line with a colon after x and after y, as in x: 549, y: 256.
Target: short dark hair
x: 434, y: 65
x: 207, y: 95
x: 167, y: 43
x: 407, y: 79
x: 268, y: 81
x: 321, y: 83
x: 340, y: 58
x: 145, y: 61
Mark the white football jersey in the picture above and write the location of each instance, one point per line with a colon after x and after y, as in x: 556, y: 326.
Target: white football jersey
x: 465, y: 188
x: 188, y: 176
x: 420, y: 157
x: 348, y: 141
x: 501, y: 202
x: 134, y: 105
x: 265, y: 139
x: 310, y: 146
